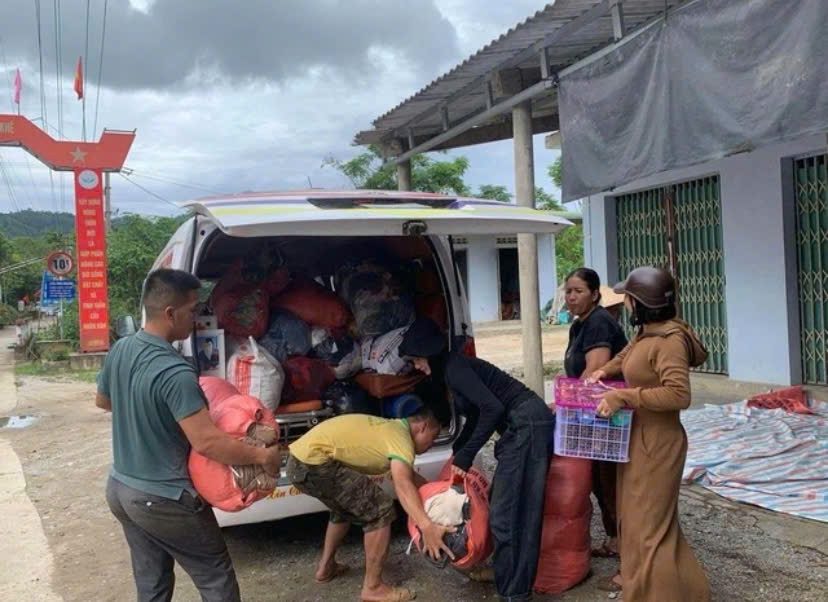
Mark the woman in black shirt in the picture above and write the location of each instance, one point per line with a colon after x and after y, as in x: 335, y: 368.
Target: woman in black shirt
x: 594, y: 337
x: 492, y: 401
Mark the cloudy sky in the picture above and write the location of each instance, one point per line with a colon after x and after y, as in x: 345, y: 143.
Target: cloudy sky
x: 229, y: 95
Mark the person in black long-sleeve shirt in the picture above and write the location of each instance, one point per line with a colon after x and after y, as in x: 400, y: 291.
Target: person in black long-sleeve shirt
x: 491, y: 400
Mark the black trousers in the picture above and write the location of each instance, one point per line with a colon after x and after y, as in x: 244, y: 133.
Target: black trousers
x: 516, y: 498
x: 161, y: 531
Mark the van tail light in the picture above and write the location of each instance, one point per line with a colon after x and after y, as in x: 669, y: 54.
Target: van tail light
x: 468, y: 347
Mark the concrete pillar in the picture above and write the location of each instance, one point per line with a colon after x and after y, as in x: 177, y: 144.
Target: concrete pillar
x: 547, y: 269
x: 528, y: 250
x: 484, y: 288
x: 404, y: 175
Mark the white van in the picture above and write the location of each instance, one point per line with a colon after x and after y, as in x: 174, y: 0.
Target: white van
x: 319, y: 230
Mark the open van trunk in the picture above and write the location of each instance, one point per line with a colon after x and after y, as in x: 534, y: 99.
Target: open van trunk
x: 319, y: 258
x: 314, y: 232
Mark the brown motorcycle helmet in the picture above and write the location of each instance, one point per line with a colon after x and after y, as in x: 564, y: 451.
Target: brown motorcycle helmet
x: 654, y: 288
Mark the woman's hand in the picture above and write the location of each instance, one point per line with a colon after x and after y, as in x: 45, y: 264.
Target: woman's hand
x: 456, y: 470
x: 595, y: 377
x: 609, y: 404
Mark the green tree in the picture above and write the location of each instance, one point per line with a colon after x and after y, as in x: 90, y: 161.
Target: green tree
x: 368, y: 170
x: 133, y: 244
x: 494, y: 193
x: 545, y: 201
x: 554, y: 171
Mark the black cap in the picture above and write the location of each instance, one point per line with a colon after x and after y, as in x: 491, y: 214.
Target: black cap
x: 422, y: 339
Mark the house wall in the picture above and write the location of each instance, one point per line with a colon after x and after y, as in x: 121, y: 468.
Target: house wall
x: 483, y: 280
x: 759, y: 239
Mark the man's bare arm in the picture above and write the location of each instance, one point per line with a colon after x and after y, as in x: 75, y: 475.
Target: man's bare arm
x: 103, y: 402
x: 210, y: 441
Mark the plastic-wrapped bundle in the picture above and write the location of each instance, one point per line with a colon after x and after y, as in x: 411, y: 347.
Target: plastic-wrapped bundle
x: 287, y: 335
x: 232, y: 488
x: 255, y: 372
x: 348, y: 398
x: 382, y: 354
x: 377, y: 299
x: 475, y: 539
x: 340, y: 351
x: 306, y: 378
x: 563, y: 561
x: 314, y: 304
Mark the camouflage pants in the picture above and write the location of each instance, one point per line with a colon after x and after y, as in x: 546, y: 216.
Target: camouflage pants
x: 350, y: 495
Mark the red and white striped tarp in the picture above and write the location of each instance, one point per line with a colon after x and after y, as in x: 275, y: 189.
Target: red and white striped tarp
x: 770, y: 458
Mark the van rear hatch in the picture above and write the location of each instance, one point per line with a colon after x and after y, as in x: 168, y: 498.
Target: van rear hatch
x: 369, y: 213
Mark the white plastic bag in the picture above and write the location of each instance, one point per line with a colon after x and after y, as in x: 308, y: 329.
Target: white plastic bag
x: 253, y: 371
x: 382, y: 354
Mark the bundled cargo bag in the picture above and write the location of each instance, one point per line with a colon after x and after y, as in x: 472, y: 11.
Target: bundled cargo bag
x: 387, y: 385
x: 340, y: 351
x: 233, y: 488
x: 472, y: 543
x: 314, y: 304
x: 253, y: 371
x: 382, y: 354
x: 287, y: 335
x: 378, y: 300
x: 564, y: 556
x: 306, y: 378
x: 348, y: 398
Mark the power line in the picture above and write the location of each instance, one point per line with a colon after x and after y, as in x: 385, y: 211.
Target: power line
x: 85, y: 70
x: 168, y: 180
x: 100, y: 71
x: 149, y: 192
x: 58, y: 80
x: 43, y: 104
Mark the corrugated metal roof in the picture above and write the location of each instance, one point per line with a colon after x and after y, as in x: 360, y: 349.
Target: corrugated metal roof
x: 462, y: 88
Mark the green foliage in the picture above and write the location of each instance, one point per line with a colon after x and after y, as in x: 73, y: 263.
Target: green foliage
x: 495, y: 193
x: 569, y: 250
x: 56, y: 355
x: 368, y: 171
x: 133, y: 244
x: 545, y: 201
x: 35, y: 223
x: 8, y: 315
x: 554, y: 172
x: 36, y: 368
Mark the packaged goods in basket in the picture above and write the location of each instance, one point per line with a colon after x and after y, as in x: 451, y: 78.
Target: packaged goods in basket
x: 579, y: 432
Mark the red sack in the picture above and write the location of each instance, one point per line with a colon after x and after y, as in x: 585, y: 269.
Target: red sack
x: 478, y: 536
x: 234, y: 414
x: 242, y: 310
x: 314, y: 304
x: 306, y: 378
x: 791, y: 399
x: 563, y: 561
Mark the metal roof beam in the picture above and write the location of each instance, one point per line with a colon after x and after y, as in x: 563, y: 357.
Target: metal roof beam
x: 571, y: 27
x: 539, y: 89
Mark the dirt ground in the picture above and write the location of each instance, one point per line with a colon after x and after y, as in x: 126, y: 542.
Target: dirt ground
x: 66, y: 454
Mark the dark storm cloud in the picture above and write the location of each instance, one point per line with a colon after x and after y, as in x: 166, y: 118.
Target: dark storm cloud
x: 242, y: 39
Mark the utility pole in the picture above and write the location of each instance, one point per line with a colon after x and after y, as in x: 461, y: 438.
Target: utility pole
x: 107, y: 204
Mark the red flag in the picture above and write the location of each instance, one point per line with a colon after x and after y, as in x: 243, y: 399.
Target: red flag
x: 79, y: 78
x: 18, y: 85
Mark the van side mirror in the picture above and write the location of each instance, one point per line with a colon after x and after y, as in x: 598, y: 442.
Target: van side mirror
x: 125, y: 326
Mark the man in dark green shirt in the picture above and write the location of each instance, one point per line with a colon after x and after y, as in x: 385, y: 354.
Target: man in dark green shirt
x: 158, y: 414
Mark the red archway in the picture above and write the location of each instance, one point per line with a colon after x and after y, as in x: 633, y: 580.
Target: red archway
x: 88, y: 161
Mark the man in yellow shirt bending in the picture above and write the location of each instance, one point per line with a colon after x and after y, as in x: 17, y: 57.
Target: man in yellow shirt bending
x: 332, y: 461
